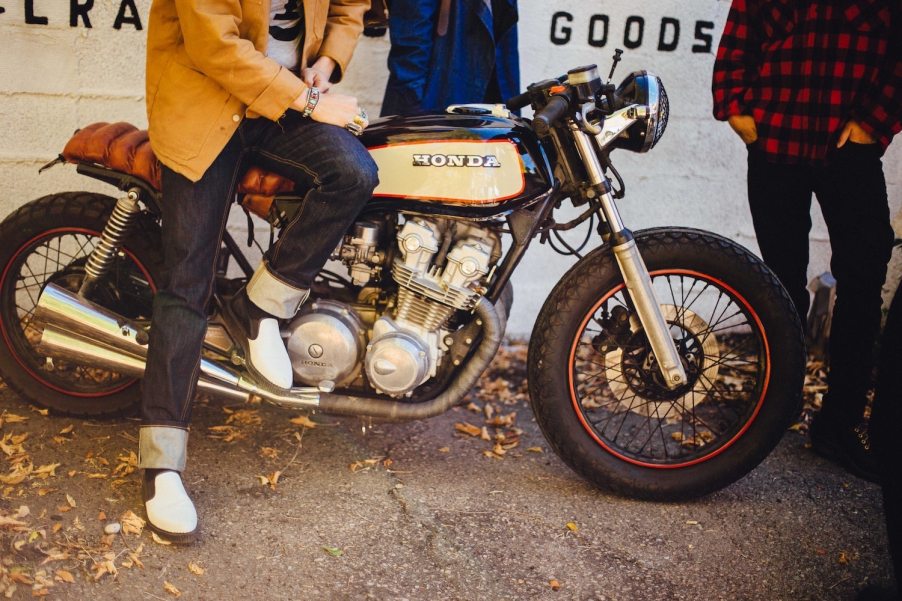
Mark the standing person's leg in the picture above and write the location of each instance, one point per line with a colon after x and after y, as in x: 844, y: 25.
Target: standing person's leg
x: 194, y: 217
x: 885, y: 419
x: 341, y: 177
x: 780, y: 203
x: 851, y: 190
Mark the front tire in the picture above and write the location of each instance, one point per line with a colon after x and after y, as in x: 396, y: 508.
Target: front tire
x: 597, y: 392
x: 49, y: 240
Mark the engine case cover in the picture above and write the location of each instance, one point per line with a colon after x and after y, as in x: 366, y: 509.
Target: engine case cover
x: 326, y: 343
x: 397, y: 361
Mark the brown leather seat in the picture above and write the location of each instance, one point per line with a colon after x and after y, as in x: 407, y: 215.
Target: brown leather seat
x: 123, y: 147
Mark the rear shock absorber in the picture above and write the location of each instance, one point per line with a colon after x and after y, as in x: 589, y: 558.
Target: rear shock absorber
x: 117, y: 229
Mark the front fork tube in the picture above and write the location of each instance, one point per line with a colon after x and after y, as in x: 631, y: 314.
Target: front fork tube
x: 633, y: 269
x: 116, y: 230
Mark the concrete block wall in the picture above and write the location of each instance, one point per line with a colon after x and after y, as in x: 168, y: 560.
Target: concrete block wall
x: 57, y: 74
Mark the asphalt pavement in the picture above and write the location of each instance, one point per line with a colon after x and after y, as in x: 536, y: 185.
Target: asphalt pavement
x: 422, y: 510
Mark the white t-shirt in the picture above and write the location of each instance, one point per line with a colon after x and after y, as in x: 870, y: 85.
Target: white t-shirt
x: 286, y: 31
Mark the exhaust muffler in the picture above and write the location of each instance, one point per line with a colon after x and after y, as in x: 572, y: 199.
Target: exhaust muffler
x: 77, y: 330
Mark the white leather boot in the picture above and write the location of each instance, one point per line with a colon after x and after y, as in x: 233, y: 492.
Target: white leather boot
x: 265, y: 354
x: 170, y: 511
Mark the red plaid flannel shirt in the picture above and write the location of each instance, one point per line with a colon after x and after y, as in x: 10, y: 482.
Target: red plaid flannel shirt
x: 804, y: 69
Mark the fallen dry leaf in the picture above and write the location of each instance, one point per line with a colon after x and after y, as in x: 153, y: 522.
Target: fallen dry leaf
x: 102, y: 568
x: 303, y: 421
x: 195, y: 569
x: 64, y: 576
x: 128, y: 463
x: 272, y: 479
x: 133, y: 558
x: 226, y: 433
x: 11, y: 418
x: 572, y: 527
x: 554, y: 584
x: 12, y: 524
x: 171, y: 589
x: 132, y: 523
x: 17, y: 475
x: 46, y: 471
x: 244, y: 417
x: 269, y: 452
x: 71, y: 501
x: 468, y: 429
x: 159, y: 540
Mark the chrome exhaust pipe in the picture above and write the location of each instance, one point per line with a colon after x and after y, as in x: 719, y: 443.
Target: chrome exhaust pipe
x: 75, y: 329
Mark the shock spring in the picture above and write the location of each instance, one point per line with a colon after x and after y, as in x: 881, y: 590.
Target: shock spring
x: 117, y: 229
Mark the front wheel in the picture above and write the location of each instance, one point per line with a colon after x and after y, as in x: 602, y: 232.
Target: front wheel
x: 597, y: 391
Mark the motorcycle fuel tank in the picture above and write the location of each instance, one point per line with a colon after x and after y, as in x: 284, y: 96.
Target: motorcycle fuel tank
x: 453, y: 164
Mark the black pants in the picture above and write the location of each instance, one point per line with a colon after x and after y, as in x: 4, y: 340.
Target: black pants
x: 851, y: 191
x: 342, y: 176
x: 885, y: 423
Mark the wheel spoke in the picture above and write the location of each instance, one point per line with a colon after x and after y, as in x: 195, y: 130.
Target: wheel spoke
x: 633, y: 412
x: 56, y: 258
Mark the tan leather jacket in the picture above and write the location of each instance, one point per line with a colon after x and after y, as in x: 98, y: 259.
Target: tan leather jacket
x: 207, y: 70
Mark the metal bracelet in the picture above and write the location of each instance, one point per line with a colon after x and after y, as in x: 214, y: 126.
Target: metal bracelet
x: 312, y: 100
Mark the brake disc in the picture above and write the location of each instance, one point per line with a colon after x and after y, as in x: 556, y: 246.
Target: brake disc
x: 622, y: 377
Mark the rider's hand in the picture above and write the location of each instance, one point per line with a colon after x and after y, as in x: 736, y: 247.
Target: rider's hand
x: 335, y: 109
x: 744, y: 125
x: 853, y: 132
x: 319, y: 74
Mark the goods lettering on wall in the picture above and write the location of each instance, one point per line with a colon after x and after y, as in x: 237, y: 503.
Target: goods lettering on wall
x: 666, y: 35
x: 80, y: 13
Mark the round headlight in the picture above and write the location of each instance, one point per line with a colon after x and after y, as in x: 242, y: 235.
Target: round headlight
x: 646, y: 89
x: 658, y: 109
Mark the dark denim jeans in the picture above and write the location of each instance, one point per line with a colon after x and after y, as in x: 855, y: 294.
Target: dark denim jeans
x: 851, y: 191
x: 342, y: 176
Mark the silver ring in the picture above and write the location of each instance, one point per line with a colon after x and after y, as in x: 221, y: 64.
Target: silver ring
x: 354, y: 128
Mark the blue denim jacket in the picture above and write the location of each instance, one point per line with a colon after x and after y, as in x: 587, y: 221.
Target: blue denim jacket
x: 475, y: 61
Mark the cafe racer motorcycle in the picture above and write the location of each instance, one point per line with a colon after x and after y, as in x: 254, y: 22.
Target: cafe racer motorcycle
x: 665, y: 364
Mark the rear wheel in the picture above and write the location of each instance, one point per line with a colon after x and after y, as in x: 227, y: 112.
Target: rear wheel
x: 598, y: 393
x: 48, y: 241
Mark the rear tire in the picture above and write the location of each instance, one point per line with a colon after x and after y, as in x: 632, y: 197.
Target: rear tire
x: 49, y: 240
x: 598, y: 396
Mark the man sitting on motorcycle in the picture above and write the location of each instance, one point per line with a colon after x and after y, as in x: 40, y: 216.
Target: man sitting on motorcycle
x: 227, y: 80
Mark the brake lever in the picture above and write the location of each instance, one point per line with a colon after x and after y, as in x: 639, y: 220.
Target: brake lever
x: 587, y: 126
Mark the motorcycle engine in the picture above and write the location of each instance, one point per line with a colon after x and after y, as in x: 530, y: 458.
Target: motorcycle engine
x: 439, y: 267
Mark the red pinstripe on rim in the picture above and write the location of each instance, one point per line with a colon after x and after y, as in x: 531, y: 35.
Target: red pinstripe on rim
x: 6, y: 335
x: 591, y: 431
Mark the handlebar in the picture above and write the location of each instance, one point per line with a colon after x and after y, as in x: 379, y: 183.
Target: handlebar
x: 558, y: 106
x: 525, y: 99
x: 519, y: 101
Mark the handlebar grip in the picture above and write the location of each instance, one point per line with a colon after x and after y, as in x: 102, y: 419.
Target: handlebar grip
x: 518, y: 102
x: 551, y: 113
